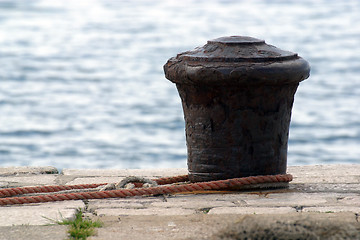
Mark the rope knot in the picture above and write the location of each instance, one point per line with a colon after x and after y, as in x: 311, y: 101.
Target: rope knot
x: 129, y: 183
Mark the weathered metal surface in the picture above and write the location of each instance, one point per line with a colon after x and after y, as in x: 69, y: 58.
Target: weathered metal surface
x: 237, y: 95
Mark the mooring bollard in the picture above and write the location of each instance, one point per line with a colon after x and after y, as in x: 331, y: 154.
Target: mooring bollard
x: 237, y: 93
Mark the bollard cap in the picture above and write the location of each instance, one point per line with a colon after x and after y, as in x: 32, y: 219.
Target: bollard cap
x: 236, y: 60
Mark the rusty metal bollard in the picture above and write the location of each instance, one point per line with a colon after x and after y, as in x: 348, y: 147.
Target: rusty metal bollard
x: 237, y: 94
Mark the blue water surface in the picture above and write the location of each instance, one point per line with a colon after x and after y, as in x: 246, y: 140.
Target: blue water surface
x: 82, y: 84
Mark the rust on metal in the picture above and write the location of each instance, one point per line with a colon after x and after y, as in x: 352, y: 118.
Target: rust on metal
x: 237, y: 94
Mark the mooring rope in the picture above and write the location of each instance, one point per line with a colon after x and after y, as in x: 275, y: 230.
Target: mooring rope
x: 229, y: 184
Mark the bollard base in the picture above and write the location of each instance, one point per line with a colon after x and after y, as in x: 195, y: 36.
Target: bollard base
x: 237, y: 131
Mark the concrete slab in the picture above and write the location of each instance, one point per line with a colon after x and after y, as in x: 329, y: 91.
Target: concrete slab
x: 38, y: 214
x: 325, y: 170
x: 94, y: 179
x: 291, y: 199
x: 115, y: 203
x: 159, y: 172
x: 8, y: 171
x: 322, y: 226
x: 336, y: 173
x: 29, y: 180
x: 252, y: 210
x: 195, y: 226
x: 135, y: 202
x: 333, y: 209
x: 326, y: 179
x: 26, y: 232
x: 326, y: 187
x: 353, y: 200
x: 184, y: 203
x: 205, y: 226
x: 153, y: 211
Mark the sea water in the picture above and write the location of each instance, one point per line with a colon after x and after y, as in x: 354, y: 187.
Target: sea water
x: 82, y: 84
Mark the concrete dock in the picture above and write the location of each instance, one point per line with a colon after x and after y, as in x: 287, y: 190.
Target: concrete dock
x: 319, y: 193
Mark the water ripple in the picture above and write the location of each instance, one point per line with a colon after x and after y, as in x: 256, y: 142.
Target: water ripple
x: 82, y: 83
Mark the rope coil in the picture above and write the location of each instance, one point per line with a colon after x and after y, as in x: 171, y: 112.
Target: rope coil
x: 229, y: 184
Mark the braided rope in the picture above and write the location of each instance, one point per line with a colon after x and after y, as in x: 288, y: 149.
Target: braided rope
x: 171, y: 180
x: 7, y: 192
x: 229, y: 184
